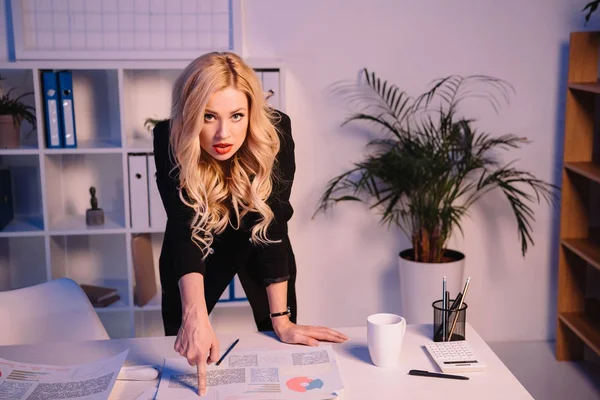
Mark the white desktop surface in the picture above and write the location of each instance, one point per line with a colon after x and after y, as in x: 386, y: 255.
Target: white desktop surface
x: 362, y: 380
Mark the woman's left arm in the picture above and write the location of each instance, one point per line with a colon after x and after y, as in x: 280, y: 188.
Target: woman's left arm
x: 289, y: 332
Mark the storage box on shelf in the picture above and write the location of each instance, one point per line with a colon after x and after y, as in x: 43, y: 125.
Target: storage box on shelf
x: 579, y: 250
x: 49, y: 237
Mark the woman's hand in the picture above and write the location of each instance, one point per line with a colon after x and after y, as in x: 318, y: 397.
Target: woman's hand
x: 289, y: 332
x: 196, y: 341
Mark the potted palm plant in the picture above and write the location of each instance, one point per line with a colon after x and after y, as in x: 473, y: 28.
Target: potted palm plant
x: 12, y: 112
x: 426, y: 171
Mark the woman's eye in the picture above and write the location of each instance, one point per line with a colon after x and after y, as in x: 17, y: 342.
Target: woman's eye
x: 208, y: 117
x: 237, y: 116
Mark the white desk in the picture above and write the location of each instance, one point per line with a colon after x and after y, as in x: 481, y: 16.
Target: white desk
x: 362, y: 380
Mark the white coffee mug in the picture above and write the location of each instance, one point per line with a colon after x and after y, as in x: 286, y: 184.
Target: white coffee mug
x: 385, y: 333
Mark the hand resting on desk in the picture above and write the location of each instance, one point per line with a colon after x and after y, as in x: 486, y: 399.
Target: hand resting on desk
x: 289, y: 332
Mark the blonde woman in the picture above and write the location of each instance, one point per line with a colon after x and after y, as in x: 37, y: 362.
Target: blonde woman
x: 225, y: 167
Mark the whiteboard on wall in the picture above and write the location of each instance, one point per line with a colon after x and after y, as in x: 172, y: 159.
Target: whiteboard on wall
x: 124, y: 29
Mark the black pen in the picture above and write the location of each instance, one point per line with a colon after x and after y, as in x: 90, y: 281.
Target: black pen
x: 452, y: 308
x: 419, y: 372
x: 227, y: 352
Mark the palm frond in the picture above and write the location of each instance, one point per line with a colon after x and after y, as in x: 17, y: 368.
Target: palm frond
x: 591, y: 8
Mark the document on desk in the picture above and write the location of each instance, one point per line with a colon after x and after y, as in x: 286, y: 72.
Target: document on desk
x: 92, y: 381
x: 298, y: 373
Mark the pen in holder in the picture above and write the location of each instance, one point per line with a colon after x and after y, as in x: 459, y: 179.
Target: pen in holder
x: 454, y: 330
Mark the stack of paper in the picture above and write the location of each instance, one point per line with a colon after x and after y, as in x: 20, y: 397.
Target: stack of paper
x: 298, y: 373
x: 93, y: 381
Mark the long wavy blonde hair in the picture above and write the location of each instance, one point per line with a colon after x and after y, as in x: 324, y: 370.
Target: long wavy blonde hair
x: 219, y: 197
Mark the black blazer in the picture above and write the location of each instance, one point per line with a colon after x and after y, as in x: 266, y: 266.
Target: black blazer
x: 180, y: 256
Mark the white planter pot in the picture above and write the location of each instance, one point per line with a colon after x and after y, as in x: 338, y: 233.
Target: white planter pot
x: 421, y: 285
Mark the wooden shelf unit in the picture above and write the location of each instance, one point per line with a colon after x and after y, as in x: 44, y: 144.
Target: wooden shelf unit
x: 585, y: 329
x: 578, y: 322
x: 590, y: 170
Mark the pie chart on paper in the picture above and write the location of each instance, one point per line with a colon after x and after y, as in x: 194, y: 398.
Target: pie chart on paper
x: 303, y: 383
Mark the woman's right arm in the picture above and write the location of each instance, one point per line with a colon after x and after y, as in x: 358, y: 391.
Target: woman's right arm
x: 196, y: 340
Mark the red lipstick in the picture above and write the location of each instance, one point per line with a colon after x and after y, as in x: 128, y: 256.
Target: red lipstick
x: 223, y: 148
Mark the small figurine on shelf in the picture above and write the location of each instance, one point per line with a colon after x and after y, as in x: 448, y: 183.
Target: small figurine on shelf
x: 94, y: 216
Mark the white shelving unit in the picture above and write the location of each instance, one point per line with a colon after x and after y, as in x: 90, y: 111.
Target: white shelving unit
x: 48, y: 237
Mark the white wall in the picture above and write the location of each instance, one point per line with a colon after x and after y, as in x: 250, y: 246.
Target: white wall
x: 348, y: 262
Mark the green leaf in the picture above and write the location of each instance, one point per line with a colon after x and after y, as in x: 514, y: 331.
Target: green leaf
x: 591, y: 7
x: 346, y: 198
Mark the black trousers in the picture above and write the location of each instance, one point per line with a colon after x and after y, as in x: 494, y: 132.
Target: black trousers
x: 220, y: 270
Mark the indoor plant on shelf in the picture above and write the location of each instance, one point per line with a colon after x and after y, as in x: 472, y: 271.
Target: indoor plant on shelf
x: 12, y: 112
x: 429, y: 167
x: 150, y: 123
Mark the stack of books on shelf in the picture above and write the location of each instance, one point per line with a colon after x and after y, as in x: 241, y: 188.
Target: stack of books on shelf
x: 100, y: 296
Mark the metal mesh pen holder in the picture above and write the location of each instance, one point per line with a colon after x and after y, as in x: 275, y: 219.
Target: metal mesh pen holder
x: 456, y: 317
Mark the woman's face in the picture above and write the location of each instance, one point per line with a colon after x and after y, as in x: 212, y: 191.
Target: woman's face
x: 225, y: 123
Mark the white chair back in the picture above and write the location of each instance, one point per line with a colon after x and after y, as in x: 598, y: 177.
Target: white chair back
x: 53, y: 311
